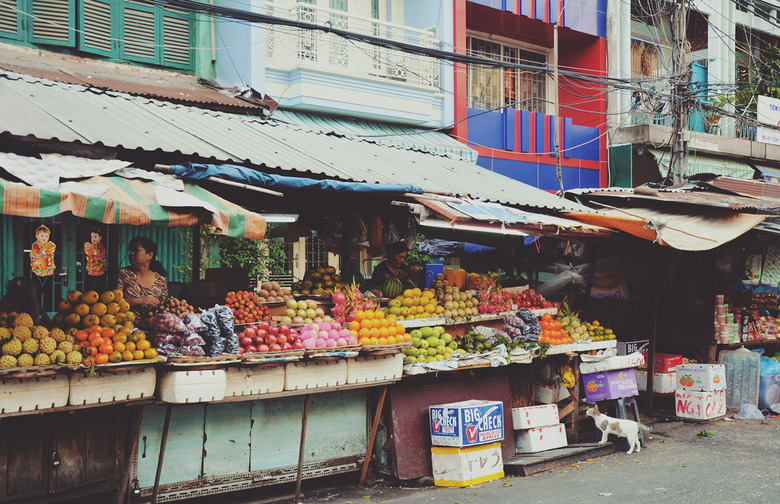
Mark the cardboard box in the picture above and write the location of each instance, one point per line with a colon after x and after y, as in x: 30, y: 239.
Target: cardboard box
x: 461, y: 467
x: 466, y: 423
x: 666, y: 363
x: 629, y: 347
x: 631, y: 360
x: 610, y: 385
x: 540, y: 439
x: 703, y: 377
x: 663, y: 383
x: 550, y: 394
x: 535, y: 416
x: 768, y: 390
x: 700, y: 405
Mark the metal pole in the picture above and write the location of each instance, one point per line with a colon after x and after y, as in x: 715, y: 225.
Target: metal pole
x: 304, y: 421
x: 680, y: 91
x: 163, y: 443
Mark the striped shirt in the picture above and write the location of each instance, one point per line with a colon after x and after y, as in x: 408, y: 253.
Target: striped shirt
x: 128, y: 282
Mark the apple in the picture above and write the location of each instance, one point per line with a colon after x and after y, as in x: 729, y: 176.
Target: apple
x: 273, y: 330
x: 270, y: 339
x: 257, y: 341
x: 245, y: 341
x: 276, y: 348
x: 263, y: 326
x: 287, y: 346
x: 241, y: 350
x: 297, y: 345
x: 250, y: 331
x: 282, y: 339
x: 262, y: 349
x: 251, y: 349
x: 283, y: 329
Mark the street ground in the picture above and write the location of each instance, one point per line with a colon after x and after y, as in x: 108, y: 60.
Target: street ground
x: 739, y: 463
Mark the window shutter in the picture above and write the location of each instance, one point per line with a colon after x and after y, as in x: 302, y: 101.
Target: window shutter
x: 97, y: 27
x: 9, y: 21
x: 176, y: 39
x: 53, y: 22
x: 138, y: 33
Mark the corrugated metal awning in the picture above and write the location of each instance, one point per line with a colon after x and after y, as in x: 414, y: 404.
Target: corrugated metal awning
x: 700, y: 163
x: 42, y: 109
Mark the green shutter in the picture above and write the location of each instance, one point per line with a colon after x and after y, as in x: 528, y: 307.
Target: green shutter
x: 54, y: 22
x: 176, y: 39
x: 10, y: 23
x: 138, y: 33
x: 96, y: 22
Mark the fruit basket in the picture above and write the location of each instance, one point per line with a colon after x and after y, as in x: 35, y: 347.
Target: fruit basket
x: 221, y: 359
x: 385, y: 348
x: 327, y: 350
x: 268, y: 356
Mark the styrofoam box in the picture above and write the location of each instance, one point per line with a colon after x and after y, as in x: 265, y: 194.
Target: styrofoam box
x: 702, y: 377
x: 253, y: 380
x: 120, y: 384
x: 663, y: 383
x: 540, y: 439
x: 549, y: 394
x: 315, y: 374
x: 700, y: 405
x: 460, y: 467
x: 634, y: 359
x: 535, y: 416
x: 375, y: 368
x: 30, y: 394
x: 192, y: 386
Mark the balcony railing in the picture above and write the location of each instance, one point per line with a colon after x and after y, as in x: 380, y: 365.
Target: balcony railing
x: 289, y: 47
x: 742, y: 128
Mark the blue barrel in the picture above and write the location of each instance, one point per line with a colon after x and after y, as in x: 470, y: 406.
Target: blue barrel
x: 432, y: 269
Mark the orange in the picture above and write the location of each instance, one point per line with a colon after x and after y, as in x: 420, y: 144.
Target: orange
x: 391, y: 340
x: 120, y: 337
x: 364, y: 341
x: 365, y: 324
x: 81, y: 309
x: 407, y: 337
x: 106, y: 348
x: 364, y: 332
x: 369, y: 314
x: 119, y: 346
x: 141, y: 335
x: 384, y: 323
x: 101, y: 359
x: 354, y: 334
x: 115, y: 356
x: 82, y: 335
x: 354, y: 325
x: 373, y: 341
x: 375, y: 333
x: 143, y: 345
x: 128, y: 356
x: 383, y: 332
x: 150, y: 353
x: 360, y: 315
x: 546, y: 317
x: 379, y: 314
x: 138, y: 355
x: 392, y: 331
x: 399, y: 328
x: 130, y: 346
x: 382, y: 341
x: 376, y: 323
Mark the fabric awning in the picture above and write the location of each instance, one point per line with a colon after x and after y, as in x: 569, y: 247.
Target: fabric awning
x: 704, y: 230
x: 701, y: 163
x: 118, y: 200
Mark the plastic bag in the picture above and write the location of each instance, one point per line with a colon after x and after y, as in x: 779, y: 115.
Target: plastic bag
x: 167, y: 339
x: 167, y: 349
x: 167, y: 323
x: 193, y: 339
x: 574, y: 275
x: 749, y: 412
x: 193, y: 324
x: 227, y: 326
x: 192, y: 351
x: 769, y: 366
x: 214, y: 339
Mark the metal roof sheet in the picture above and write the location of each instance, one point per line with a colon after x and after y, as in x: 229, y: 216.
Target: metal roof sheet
x: 69, y: 113
x: 702, y: 163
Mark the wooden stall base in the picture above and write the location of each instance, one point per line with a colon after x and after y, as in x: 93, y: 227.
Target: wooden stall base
x: 532, y: 463
x: 126, y: 402
x: 372, y: 435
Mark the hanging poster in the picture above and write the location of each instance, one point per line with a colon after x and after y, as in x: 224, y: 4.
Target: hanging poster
x: 42, y: 253
x: 95, y: 251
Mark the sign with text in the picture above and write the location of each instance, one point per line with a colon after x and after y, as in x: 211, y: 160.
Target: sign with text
x: 466, y: 423
x: 768, y: 113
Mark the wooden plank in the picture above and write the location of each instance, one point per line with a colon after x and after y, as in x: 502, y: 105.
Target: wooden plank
x: 227, y: 439
x: 134, y: 426
x: 69, y: 445
x: 411, y: 454
x: 532, y: 463
x: 105, y: 426
x: 129, y: 402
x: 28, y: 458
x: 4, y: 434
x: 372, y: 436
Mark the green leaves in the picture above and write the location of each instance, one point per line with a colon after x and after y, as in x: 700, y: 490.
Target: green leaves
x: 703, y: 434
x: 261, y: 258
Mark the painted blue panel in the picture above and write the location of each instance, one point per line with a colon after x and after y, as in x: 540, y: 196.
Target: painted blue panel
x: 589, y: 178
x: 518, y: 170
x: 539, y: 133
x: 571, y: 177
x: 525, y: 130
x: 485, y: 128
x: 509, y: 128
x: 226, y: 446
x: 581, y: 142
x: 548, y: 180
x: 540, y: 7
x: 276, y: 433
x: 337, y: 426
x: 184, y: 450
x: 601, y: 7
x: 525, y: 8
x: 551, y: 127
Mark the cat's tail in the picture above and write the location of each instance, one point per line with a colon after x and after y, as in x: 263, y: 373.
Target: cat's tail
x: 644, y: 427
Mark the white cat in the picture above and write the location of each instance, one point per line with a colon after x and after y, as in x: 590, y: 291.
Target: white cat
x: 628, y: 429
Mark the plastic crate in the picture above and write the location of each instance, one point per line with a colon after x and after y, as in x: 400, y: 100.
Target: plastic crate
x: 375, y: 368
x: 315, y: 374
x: 129, y: 382
x: 192, y: 386
x: 253, y: 380
x: 35, y: 393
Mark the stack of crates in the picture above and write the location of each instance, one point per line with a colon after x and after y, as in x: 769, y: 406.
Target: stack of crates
x: 538, y: 428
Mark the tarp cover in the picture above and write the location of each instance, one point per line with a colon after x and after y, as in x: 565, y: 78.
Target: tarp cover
x: 249, y: 176
x: 446, y: 248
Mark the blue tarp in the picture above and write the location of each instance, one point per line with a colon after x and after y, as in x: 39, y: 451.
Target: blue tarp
x: 445, y: 248
x: 244, y: 175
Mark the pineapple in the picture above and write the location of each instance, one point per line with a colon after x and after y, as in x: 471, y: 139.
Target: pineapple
x: 39, y: 332
x: 57, y: 357
x: 25, y: 360
x: 30, y: 346
x: 7, y: 361
x: 42, y: 360
x: 48, y: 345
x: 22, y: 333
x: 12, y: 348
x: 58, y: 335
x: 23, y: 320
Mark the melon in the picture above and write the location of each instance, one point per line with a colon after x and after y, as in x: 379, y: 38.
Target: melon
x: 392, y: 287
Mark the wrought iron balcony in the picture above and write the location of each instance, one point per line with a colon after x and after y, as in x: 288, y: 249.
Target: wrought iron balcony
x: 288, y: 47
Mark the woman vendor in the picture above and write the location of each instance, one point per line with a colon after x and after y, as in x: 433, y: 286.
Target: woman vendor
x: 143, y: 282
x: 393, y: 266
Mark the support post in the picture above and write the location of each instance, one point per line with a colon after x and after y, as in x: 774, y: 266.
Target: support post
x: 680, y: 93
x: 556, y: 118
x: 372, y: 436
x: 161, y: 457
x: 135, y: 425
x: 299, y: 474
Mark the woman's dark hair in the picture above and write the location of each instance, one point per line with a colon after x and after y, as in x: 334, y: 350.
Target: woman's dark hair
x: 151, y: 248
x: 97, y: 230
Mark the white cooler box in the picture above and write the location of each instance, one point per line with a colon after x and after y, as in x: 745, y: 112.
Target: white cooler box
x: 461, y: 467
x: 30, y: 394
x: 119, y: 384
x: 540, y: 439
x: 375, y: 368
x: 253, y: 380
x: 192, y: 386
x: 535, y: 416
x: 311, y: 374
